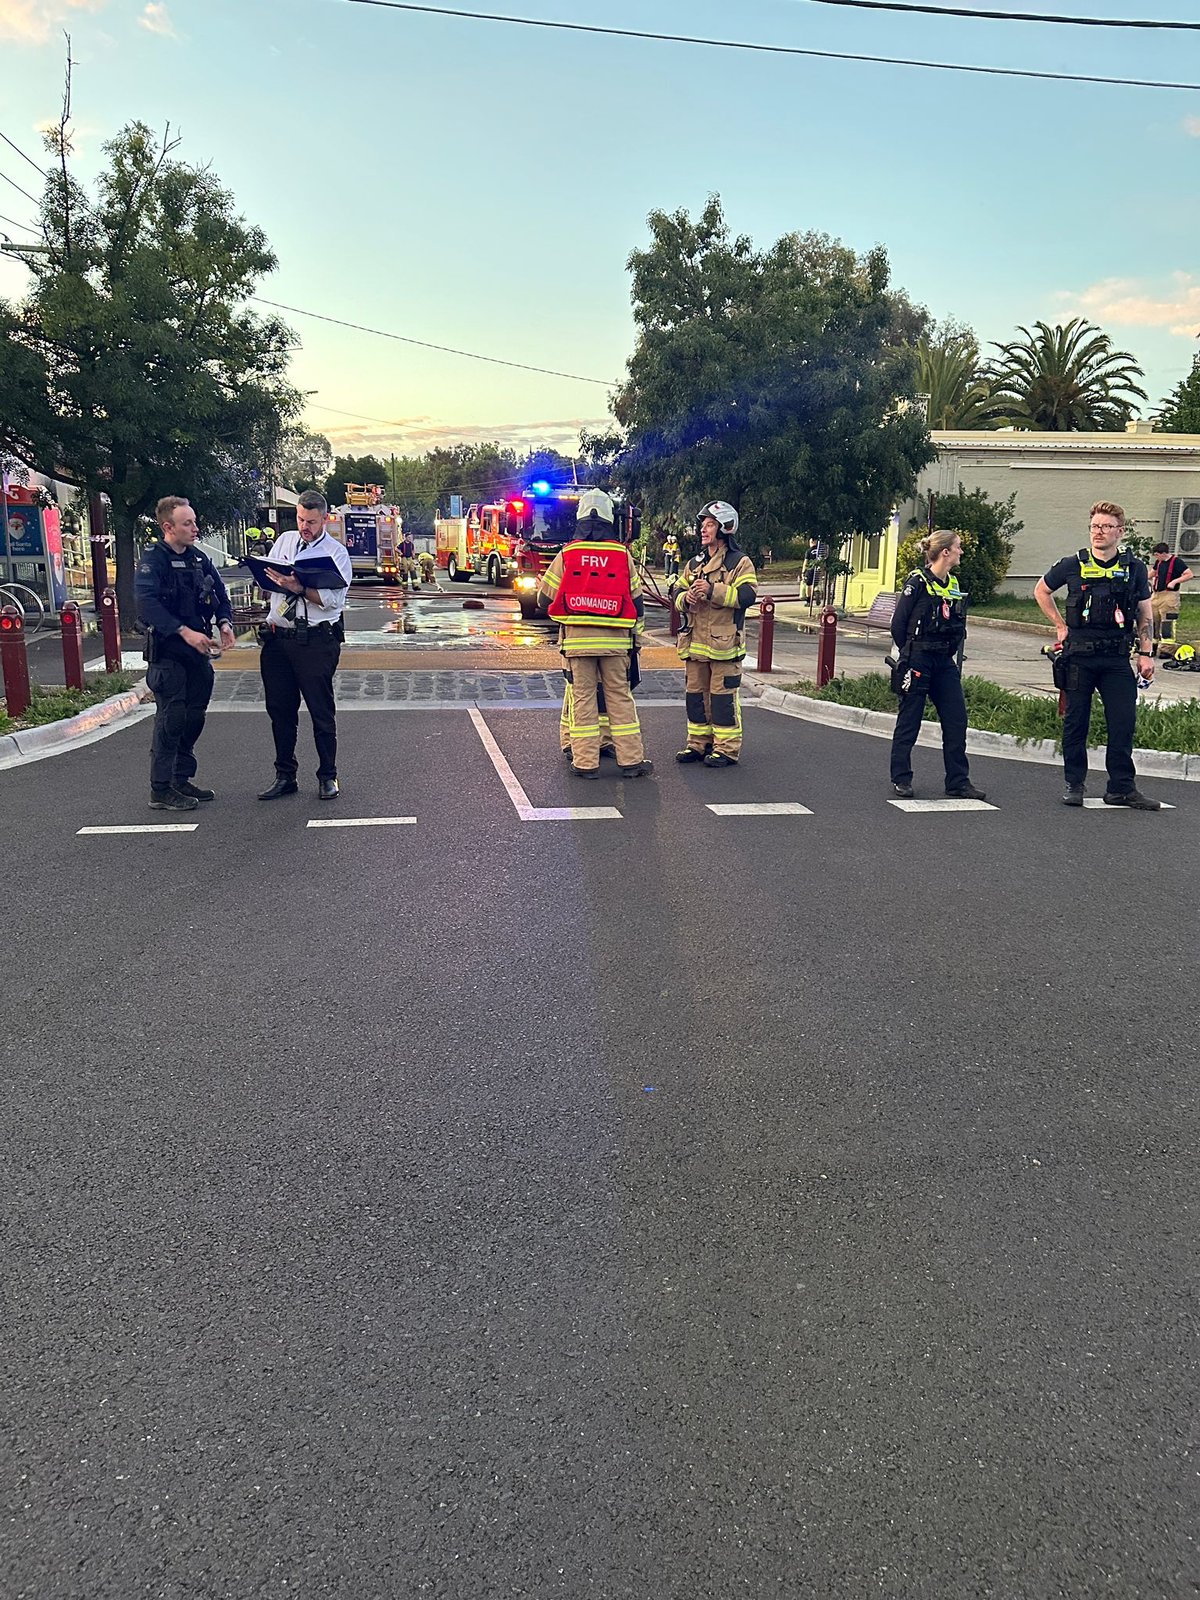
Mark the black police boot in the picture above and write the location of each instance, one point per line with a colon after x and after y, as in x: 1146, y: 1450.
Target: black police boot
x: 327, y: 789
x: 1134, y: 799
x: 1073, y: 795
x: 280, y: 786
x: 965, y: 791
x: 194, y: 791
x: 902, y: 791
x: 171, y: 800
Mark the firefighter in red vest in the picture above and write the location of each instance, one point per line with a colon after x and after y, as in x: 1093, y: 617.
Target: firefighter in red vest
x: 592, y: 591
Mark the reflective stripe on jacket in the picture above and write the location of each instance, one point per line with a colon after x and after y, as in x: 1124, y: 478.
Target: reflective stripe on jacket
x: 713, y: 629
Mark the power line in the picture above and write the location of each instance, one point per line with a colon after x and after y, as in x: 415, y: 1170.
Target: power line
x: 23, y: 156
x: 24, y: 227
x: 1009, y: 16
x: 447, y: 349
x: 775, y: 49
x: 19, y: 189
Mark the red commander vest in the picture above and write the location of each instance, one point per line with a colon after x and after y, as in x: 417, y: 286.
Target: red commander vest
x: 595, y: 586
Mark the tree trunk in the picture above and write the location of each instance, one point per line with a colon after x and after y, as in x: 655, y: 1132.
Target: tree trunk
x: 124, y: 520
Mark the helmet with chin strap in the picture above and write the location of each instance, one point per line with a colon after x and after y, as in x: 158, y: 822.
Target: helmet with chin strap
x: 722, y: 513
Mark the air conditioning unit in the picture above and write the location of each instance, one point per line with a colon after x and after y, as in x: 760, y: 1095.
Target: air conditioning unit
x: 1181, y: 528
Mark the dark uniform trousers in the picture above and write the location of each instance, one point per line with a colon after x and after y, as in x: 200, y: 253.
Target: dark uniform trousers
x: 1113, y: 678
x: 940, y: 681
x: 181, y: 681
x: 292, y: 671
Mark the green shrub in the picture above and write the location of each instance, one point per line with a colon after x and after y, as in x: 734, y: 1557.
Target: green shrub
x: 1174, y: 726
x: 987, y: 532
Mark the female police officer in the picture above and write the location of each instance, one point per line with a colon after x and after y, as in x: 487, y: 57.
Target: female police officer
x: 928, y: 626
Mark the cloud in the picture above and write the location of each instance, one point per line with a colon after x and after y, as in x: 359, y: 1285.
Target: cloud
x: 1131, y: 303
x: 1191, y: 125
x: 38, y: 21
x: 155, y: 19
x: 415, y: 435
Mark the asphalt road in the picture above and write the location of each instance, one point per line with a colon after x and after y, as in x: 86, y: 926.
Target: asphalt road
x: 669, y: 1205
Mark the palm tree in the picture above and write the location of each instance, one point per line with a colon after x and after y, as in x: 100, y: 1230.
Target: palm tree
x: 1066, y: 380
x: 949, y: 372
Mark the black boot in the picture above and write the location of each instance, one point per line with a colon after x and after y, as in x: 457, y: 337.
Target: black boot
x: 280, y: 786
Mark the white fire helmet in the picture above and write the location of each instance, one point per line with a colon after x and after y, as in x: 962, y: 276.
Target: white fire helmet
x: 595, y: 500
x: 722, y: 513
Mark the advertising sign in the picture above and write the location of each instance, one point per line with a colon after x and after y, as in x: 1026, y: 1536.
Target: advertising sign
x: 52, y: 524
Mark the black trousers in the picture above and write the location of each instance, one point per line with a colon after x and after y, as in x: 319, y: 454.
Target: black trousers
x: 290, y: 672
x: 181, y: 681
x: 1112, y: 677
x: 934, y: 676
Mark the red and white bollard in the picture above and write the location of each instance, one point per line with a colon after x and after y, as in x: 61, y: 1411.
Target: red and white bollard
x: 766, y: 634
x: 14, y: 662
x: 826, y: 647
x: 72, y: 645
x: 110, y: 629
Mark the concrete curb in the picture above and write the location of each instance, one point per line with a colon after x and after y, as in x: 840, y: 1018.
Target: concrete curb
x: 1004, y: 746
x: 33, y: 744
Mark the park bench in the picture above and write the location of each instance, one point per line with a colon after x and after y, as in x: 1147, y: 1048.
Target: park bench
x: 880, y: 615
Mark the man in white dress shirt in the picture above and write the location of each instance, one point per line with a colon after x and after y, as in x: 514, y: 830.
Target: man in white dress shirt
x: 301, y: 643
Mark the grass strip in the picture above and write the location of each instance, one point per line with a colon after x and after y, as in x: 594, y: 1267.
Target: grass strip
x: 55, y: 705
x: 1160, y: 726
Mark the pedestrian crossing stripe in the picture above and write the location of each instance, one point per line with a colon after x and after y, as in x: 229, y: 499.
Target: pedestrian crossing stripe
x: 1099, y: 805
x: 947, y: 804
x: 360, y: 822
x: 772, y: 808
x: 146, y: 827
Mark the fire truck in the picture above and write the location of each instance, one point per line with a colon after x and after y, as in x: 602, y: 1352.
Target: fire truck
x: 516, y: 540
x: 481, y: 542
x: 370, y: 531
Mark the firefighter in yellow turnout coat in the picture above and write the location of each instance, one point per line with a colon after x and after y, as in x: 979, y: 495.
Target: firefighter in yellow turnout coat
x: 592, y: 591
x: 717, y: 589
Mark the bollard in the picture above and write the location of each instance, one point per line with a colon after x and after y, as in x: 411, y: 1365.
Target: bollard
x: 826, y: 648
x: 14, y: 662
x: 72, y: 643
x: 766, y: 634
x: 110, y: 629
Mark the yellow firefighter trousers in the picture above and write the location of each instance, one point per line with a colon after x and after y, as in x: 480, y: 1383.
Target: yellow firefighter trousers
x: 714, y: 713
x: 568, y: 713
x: 588, y: 675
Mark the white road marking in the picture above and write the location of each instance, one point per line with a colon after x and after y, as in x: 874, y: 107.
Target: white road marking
x: 771, y: 808
x: 942, y: 805
x: 520, y: 800
x: 147, y: 827
x: 1098, y: 805
x: 361, y: 822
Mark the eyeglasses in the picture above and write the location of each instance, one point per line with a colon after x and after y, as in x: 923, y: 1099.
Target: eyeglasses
x: 1106, y: 527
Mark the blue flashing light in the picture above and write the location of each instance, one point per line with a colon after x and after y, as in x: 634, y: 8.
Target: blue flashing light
x: 540, y: 488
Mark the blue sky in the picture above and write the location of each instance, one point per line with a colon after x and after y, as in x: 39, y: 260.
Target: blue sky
x: 481, y: 185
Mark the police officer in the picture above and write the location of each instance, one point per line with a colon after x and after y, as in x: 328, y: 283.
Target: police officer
x: 179, y: 595
x: 301, y: 646
x: 591, y: 590
x: 1108, y: 601
x: 929, y: 625
x: 716, y: 591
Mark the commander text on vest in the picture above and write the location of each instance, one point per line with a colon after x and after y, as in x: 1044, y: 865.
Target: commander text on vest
x: 592, y: 591
x: 179, y: 596
x: 1108, y: 601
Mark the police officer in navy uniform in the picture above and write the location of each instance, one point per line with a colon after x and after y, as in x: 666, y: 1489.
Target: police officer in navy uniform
x: 179, y: 596
x: 929, y: 626
x: 1108, y: 602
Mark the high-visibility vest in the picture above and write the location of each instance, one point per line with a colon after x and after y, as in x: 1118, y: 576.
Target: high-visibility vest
x: 595, y: 586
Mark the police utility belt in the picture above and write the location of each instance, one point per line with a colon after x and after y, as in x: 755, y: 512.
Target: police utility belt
x: 303, y: 632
